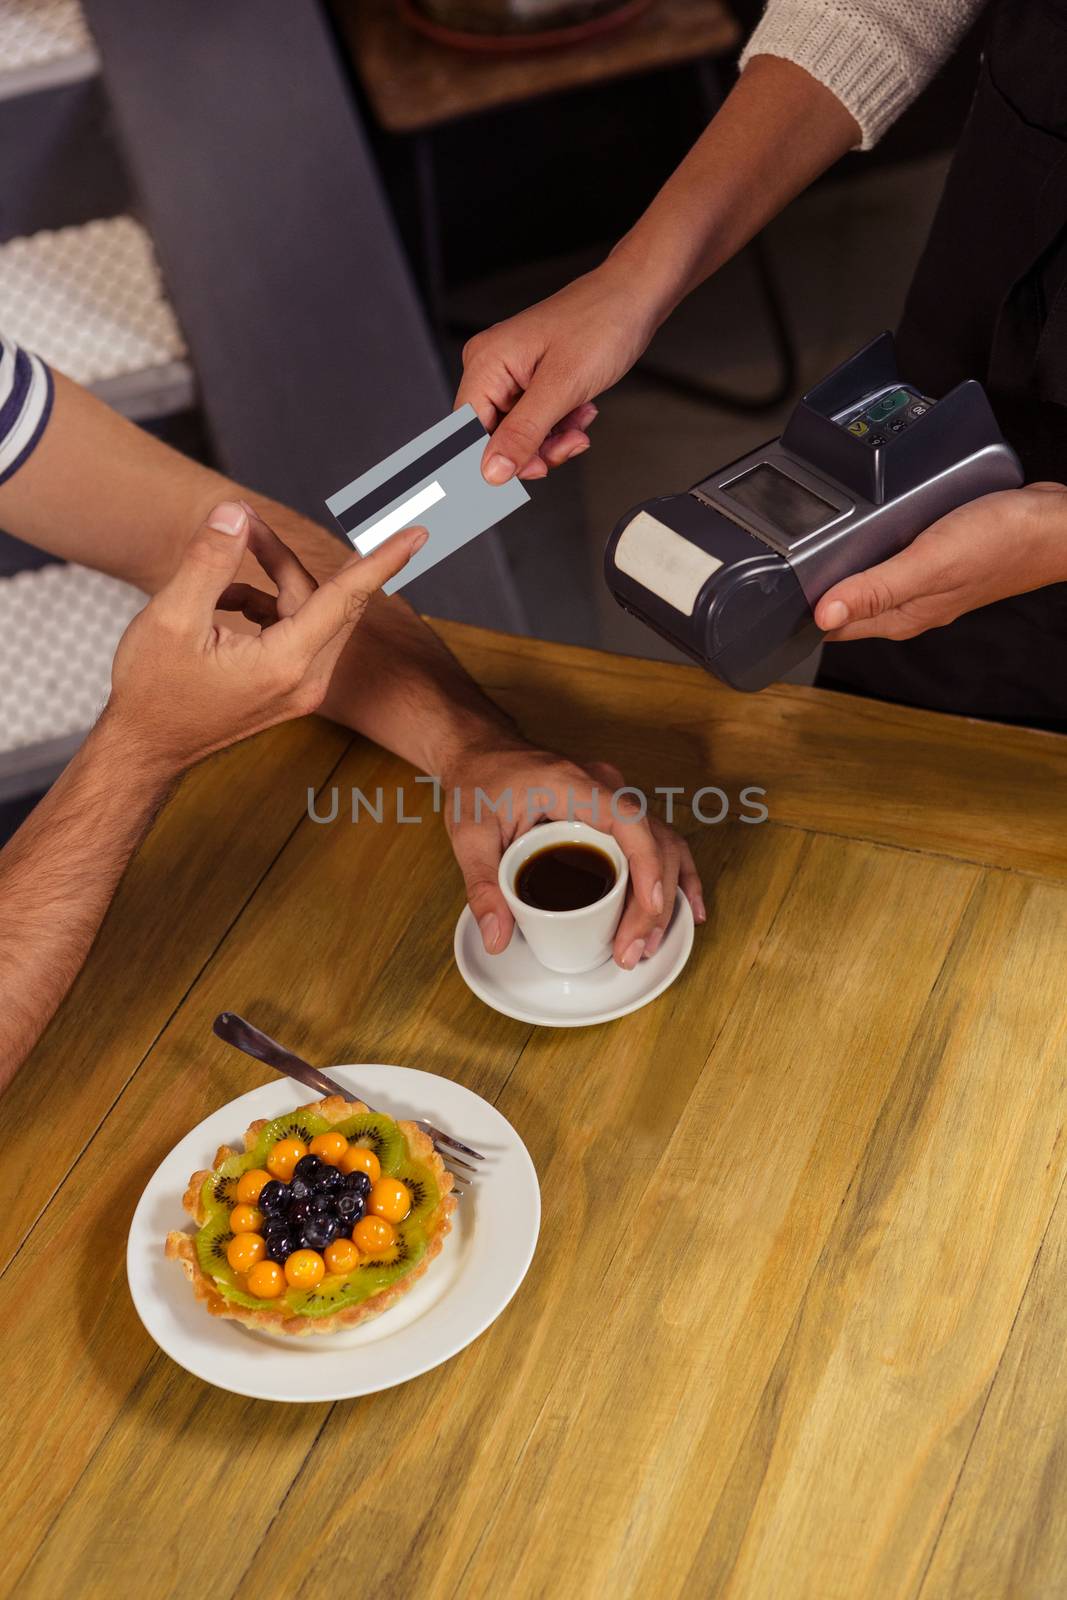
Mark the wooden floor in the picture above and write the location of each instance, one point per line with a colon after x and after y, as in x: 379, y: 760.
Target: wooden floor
x: 795, y: 1326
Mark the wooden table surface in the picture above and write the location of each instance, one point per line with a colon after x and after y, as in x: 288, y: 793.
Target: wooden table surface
x: 795, y: 1326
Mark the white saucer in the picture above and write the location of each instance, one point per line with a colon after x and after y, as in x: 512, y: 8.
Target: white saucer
x: 484, y: 1259
x: 519, y: 986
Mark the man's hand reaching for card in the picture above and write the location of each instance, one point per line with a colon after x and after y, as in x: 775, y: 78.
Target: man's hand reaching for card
x: 182, y: 686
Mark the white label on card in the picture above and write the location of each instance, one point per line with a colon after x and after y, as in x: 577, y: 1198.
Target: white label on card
x: 403, y: 517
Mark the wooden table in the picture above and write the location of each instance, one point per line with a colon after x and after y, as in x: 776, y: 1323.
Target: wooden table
x: 795, y: 1326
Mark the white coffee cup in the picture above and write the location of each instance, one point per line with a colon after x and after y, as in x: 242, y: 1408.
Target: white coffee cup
x: 566, y: 941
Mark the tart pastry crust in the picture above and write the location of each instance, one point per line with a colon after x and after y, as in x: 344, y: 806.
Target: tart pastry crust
x: 437, y: 1226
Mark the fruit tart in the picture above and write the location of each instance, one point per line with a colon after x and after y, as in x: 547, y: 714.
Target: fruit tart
x: 330, y: 1214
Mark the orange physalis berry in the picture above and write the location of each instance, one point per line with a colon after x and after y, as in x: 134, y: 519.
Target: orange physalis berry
x: 244, y: 1250
x: 373, y: 1234
x: 329, y: 1147
x: 389, y: 1198
x: 357, y: 1158
x: 266, y: 1280
x: 249, y: 1184
x: 284, y: 1157
x: 246, y: 1219
x: 304, y: 1269
x: 341, y: 1256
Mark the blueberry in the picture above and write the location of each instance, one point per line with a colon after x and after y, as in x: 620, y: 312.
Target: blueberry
x: 280, y: 1244
x: 308, y: 1168
x: 350, y: 1207
x: 322, y: 1201
x: 320, y: 1232
x: 299, y: 1188
x: 299, y: 1211
x: 328, y: 1180
x: 358, y: 1183
x: 274, y: 1197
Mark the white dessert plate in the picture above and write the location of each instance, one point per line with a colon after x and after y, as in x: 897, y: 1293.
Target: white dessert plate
x: 464, y: 1289
x: 516, y: 983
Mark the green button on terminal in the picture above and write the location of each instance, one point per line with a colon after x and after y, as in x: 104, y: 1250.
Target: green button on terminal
x: 888, y: 404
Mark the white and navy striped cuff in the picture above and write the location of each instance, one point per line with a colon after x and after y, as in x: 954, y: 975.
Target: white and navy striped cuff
x: 26, y: 391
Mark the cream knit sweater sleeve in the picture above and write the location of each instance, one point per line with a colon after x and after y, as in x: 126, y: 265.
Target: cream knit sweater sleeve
x: 874, y: 55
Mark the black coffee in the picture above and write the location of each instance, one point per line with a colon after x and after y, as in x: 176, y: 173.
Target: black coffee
x: 565, y: 877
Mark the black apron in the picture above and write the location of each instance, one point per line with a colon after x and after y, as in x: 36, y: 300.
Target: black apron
x: 989, y: 301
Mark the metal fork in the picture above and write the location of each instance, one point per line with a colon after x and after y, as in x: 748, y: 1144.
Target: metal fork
x: 254, y: 1042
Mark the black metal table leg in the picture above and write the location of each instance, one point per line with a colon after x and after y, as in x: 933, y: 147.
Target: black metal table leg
x: 433, y: 267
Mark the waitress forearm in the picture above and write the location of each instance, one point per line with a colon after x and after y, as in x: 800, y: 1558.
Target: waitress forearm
x: 533, y: 379
x: 777, y: 130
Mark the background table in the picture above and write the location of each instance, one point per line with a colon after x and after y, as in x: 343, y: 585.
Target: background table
x: 415, y: 83
x: 417, y: 86
x: 796, y: 1321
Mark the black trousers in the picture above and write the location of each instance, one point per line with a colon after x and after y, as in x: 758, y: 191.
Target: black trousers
x: 989, y: 301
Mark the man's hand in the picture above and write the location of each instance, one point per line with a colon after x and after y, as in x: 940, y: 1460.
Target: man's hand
x: 183, y: 687
x: 533, y: 378
x: 1003, y: 544
x: 531, y: 785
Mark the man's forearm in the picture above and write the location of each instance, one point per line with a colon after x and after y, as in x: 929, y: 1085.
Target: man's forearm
x: 57, y: 877
x: 777, y: 130
x: 99, y: 491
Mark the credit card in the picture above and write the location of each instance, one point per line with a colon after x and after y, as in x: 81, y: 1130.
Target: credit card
x: 436, y: 481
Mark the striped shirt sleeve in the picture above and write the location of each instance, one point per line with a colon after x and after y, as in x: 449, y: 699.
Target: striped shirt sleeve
x: 26, y: 390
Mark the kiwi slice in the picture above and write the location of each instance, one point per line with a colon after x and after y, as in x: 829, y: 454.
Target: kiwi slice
x: 422, y: 1186
x: 219, y: 1191
x: 303, y: 1125
x: 211, y: 1242
x: 336, y: 1293
x: 378, y: 1133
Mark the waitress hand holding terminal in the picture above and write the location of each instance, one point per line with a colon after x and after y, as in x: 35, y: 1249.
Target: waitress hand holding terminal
x: 971, y: 616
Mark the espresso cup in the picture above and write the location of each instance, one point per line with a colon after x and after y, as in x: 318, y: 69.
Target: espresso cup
x: 566, y: 941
